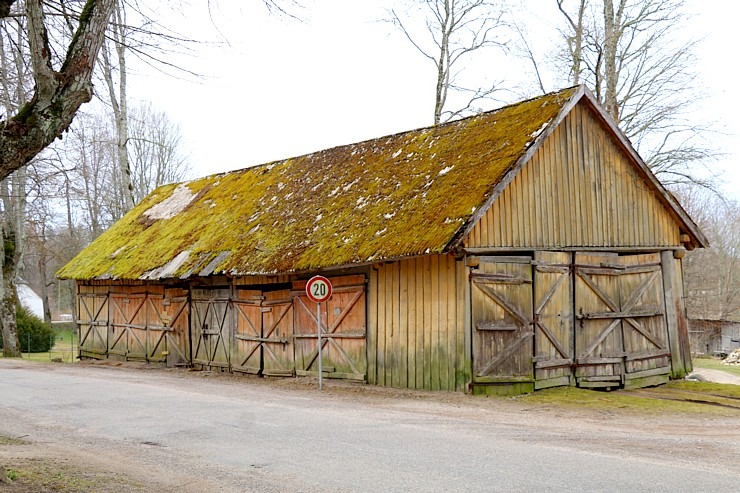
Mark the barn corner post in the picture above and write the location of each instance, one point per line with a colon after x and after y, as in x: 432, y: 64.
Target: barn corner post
x: 675, y: 313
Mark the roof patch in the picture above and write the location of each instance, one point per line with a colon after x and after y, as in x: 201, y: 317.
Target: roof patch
x: 172, y: 205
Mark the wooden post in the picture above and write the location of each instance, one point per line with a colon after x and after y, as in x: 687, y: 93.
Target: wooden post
x: 673, y: 310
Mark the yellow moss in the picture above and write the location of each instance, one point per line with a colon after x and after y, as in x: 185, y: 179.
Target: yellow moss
x: 404, y: 194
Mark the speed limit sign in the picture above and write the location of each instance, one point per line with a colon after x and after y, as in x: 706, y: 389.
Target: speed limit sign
x: 318, y: 289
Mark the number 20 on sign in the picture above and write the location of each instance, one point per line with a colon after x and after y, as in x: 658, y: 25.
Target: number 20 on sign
x: 318, y: 290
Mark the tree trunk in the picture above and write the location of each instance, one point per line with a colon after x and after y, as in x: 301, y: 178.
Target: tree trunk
x: 13, y: 236
x: 119, y: 103
x: 442, y: 67
x: 57, y: 95
x: 8, y: 302
x: 44, y: 283
x: 612, y: 25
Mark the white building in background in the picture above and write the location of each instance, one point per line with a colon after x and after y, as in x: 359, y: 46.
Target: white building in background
x: 30, y: 300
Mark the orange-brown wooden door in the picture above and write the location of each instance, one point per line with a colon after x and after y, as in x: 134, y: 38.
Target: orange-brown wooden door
x: 343, y: 330
x: 92, y: 321
x: 278, y: 358
x: 167, y: 325
x: 501, y: 297
x: 247, y: 345
x: 128, y: 320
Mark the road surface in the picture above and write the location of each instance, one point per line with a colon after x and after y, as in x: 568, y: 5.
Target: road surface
x: 196, y: 431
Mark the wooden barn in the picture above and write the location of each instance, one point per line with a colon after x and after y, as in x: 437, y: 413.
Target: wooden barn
x: 518, y: 249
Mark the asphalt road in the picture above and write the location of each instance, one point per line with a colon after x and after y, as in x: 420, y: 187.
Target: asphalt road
x: 241, y: 435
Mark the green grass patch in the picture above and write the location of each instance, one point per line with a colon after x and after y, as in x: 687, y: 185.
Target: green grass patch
x: 709, y: 388
x: 65, y: 346
x: 6, y: 440
x: 716, y: 364
x: 47, y: 475
x: 679, y: 397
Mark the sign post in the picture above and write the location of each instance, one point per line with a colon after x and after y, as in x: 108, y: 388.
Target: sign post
x: 318, y: 290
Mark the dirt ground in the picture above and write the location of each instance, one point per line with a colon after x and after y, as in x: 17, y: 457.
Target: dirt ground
x: 706, y: 439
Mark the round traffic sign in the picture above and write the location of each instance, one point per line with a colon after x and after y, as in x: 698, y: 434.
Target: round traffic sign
x: 318, y: 289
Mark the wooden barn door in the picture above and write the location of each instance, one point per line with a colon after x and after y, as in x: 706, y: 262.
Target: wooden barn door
x: 247, y: 346
x: 278, y: 358
x: 343, y: 330
x: 167, y: 325
x: 553, y: 319
x: 501, y: 297
x: 92, y: 313
x: 644, y: 328
x: 621, y: 334
x: 211, y: 326
x: 263, y: 339
x: 128, y: 323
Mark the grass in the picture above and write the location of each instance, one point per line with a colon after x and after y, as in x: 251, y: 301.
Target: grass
x: 716, y: 364
x: 678, y: 397
x: 65, y: 347
x: 6, y: 440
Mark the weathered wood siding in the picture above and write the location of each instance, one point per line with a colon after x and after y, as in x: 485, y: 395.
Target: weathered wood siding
x: 578, y: 190
x: 417, y: 315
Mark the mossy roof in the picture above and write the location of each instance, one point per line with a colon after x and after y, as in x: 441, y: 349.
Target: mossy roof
x: 402, y: 195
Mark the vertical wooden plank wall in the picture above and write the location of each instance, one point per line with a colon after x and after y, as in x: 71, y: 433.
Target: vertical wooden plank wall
x: 417, y: 324
x: 578, y: 189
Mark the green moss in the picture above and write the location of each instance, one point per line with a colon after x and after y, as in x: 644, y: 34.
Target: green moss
x: 401, y: 195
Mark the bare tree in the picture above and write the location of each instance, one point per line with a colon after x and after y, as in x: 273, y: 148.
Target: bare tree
x: 712, y: 275
x: 627, y: 52
x: 455, y: 29
x: 119, y: 100
x: 155, y: 148
x: 60, y: 86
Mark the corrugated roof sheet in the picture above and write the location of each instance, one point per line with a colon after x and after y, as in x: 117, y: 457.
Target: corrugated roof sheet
x: 401, y: 195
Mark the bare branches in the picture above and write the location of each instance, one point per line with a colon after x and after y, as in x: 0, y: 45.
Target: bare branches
x: 58, y: 94
x: 713, y: 275
x: 454, y: 29
x: 626, y: 51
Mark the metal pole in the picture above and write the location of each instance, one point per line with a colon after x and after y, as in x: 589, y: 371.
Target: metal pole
x: 318, y: 318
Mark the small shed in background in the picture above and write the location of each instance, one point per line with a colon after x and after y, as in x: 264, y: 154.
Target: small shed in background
x: 518, y: 249
x: 714, y: 337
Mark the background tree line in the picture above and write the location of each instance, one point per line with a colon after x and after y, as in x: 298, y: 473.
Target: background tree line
x: 58, y: 195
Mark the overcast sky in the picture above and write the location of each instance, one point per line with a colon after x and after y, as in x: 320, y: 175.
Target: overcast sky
x: 283, y: 87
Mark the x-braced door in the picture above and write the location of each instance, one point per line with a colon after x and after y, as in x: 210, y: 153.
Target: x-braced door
x: 247, y: 347
x: 278, y: 358
x: 92, y: 310
x: 501, y: 296
x: 553, y: 319
x: 128, y: 325
x: 621, y: 334
x: 263, y: 341
x: 167, y: 326
x: 343, y: 330
x: 211, y: 327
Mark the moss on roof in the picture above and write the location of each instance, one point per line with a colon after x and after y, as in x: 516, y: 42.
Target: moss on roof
x: 401, y: 195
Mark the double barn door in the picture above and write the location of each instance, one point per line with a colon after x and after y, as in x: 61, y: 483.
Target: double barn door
x: 591, y: 320
x: 249, y: 332
x: 134, y: 323
x: 275, y: 332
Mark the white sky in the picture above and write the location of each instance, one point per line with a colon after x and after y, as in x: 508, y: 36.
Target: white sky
x: 284, y: 88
